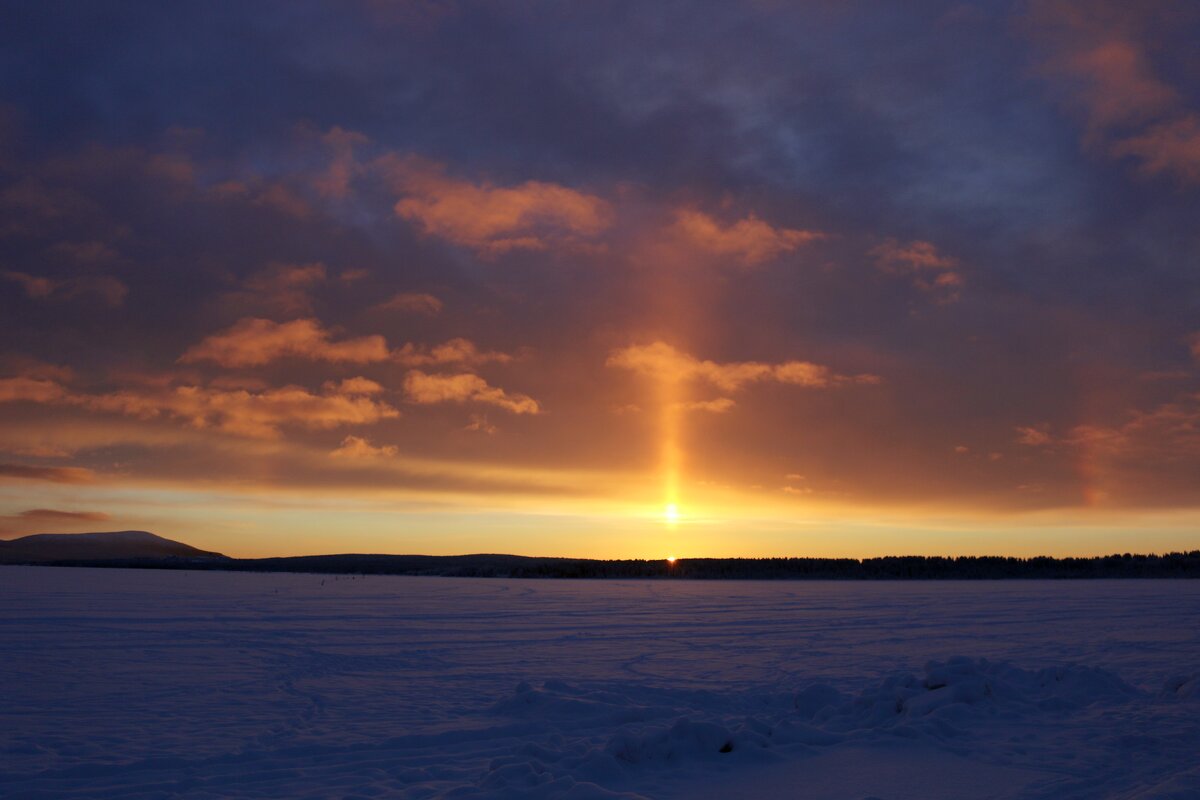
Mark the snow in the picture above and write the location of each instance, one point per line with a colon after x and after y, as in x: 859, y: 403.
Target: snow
x: 129, y: 683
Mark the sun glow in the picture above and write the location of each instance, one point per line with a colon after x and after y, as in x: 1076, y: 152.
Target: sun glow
x: 671, y: 513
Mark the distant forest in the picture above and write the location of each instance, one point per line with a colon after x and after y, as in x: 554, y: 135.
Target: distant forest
x: 1170, y: 565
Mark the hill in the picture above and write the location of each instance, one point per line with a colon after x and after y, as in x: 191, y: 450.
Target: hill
x: 107, y: 546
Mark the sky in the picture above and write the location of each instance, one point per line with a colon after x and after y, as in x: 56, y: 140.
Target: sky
x: 603, y: 279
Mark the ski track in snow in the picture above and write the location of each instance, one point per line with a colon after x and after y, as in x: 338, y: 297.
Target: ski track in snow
x: 146, y: 684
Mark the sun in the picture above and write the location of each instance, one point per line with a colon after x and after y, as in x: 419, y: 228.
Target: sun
x: 671, y: 513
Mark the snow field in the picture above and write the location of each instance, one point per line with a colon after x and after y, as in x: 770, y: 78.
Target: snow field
x: 140, y: 684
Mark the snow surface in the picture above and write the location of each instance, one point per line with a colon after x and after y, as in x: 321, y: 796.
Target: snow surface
x: 125, y: 683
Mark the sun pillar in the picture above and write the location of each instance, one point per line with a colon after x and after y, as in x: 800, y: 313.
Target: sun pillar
x: 672, y: 451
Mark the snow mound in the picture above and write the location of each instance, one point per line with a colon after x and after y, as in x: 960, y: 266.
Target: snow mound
x: 1182, y: 687
x: 601, y: 733
x: 683, y: 740
x: 953, y: 694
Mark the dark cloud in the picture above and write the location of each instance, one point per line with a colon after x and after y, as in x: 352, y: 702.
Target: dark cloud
x: 55, y: 515
x: 50, y: 474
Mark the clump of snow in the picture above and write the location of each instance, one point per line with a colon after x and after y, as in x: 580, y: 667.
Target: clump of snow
x: 1184, y: 687
x: 989, y: 688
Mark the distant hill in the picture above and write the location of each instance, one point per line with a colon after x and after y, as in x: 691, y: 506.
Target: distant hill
x: 114, y: 545
x: 142, y: 550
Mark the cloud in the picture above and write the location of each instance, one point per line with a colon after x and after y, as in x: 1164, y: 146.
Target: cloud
x: 252, y: 342
x: 1034, y: 436
x: 479, y: 424
x: 33, y: 390
x: 335, y: 181
x: 1171, y: 147
x: 493, y: 219
x: 39, y: 451
x: 661, y: 360
x: 33, y: 286
x: 718, y: 406
x: 245, y: 413
x: 50, y: 474
x: 356, y: 447
x: 454, y: 351
x: 1170, y: 431
x: 359, y: 385
x: 52, y: 514
x: 269, y: 195
x: 1150, y: 457
x: 1194, y: 343
x: 1099, y: 51
x: 423, y: 388
x: 242, y: 412
x: 749, y: 241
x: 929, y: 270
x: 104, y: 287
x: 412, y: 302
x: 283, y: 288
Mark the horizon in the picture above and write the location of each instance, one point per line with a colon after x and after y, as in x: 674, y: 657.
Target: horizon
x: 671, y: 559
x: 459, y: 279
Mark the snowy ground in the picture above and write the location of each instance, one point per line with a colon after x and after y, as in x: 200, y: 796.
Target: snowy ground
x: 143, y: 684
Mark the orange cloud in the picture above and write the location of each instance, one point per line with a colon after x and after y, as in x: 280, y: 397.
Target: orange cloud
x: 718, y: 406
x: 748, y: 241
x: 283, y: 287
x: 34, y: 390
x: 416, y: 303
x: 661, y: 360
x: 1123, y: 462
x: 107, y: 288
x: 1128, y: 110
x: 479, y: 424
x: 242, y: 412
x: 335, y: 181
x: 454, y: 351
x: 50, y: 474
x: 1034, y: 436
x: 930, y: 270
x: 356, y: 447
x: 252, y: 342
x: 33, y: 285
x: 1117, y: 84
x: 1170, y: 147
x: 494, y: 219
x: 359, y: 385
x: 1172, y: 428
x: 423, y: 388
x: 39, y: 451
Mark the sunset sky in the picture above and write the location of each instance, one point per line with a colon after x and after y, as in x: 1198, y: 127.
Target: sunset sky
x: 603, y: 279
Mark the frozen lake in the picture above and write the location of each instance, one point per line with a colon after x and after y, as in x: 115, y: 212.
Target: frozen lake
x: 122, y: 683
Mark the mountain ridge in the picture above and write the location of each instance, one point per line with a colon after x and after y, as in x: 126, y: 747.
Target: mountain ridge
x: 101, y: 545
